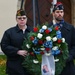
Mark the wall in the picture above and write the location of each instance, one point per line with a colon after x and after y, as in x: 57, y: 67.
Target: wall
x: 7, y: 15
x: 73, y: 11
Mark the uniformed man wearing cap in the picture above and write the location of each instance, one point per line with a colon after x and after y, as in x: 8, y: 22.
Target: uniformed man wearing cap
x: 11, y: 45
x: 68, y: 32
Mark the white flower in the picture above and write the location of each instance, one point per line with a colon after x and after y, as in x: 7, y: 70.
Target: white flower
x: 63, y: 40
x: 42, y: 48
x: 35, y: 61
x: 56, y: 60
x: 55, y: 48
x: 44, y: 27
x: 48, y: 38
x: 54, y: 39
x: 27, y: 45
x: 39, y: 35
x: 47, y: 54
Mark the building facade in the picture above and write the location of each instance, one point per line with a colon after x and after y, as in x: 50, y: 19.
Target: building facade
x: 8, y: 10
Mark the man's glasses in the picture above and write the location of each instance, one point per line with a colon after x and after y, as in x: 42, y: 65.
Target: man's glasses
x: 22, y: 18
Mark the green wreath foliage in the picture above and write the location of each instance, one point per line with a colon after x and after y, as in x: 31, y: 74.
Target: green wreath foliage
x: 35, y: 68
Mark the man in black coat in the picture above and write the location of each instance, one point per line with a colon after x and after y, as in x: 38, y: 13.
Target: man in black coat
x: 68, y: 32
x: 11, y: 45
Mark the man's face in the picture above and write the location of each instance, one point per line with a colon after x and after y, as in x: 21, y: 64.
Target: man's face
x: 58, y: 15
x: 21, y: 20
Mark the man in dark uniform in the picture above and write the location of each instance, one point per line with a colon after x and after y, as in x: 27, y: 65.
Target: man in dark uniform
x: 11, y: 45
x: 68, y: 32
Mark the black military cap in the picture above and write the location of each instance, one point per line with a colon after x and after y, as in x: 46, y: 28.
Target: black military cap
x: 20, y: 12
x: 58, y: 6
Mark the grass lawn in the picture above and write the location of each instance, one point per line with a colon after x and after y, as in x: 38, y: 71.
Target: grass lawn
x: 2, y: 64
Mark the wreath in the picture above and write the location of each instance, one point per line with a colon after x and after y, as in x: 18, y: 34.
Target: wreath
x: 45, y: 40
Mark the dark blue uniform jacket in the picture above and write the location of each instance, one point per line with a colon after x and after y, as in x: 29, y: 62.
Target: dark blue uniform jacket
x: 68, y: 32
x: 11, y: 42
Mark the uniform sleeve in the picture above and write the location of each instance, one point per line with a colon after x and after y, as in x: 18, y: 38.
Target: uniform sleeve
x: 72, y: 49
x: 6, y: 46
